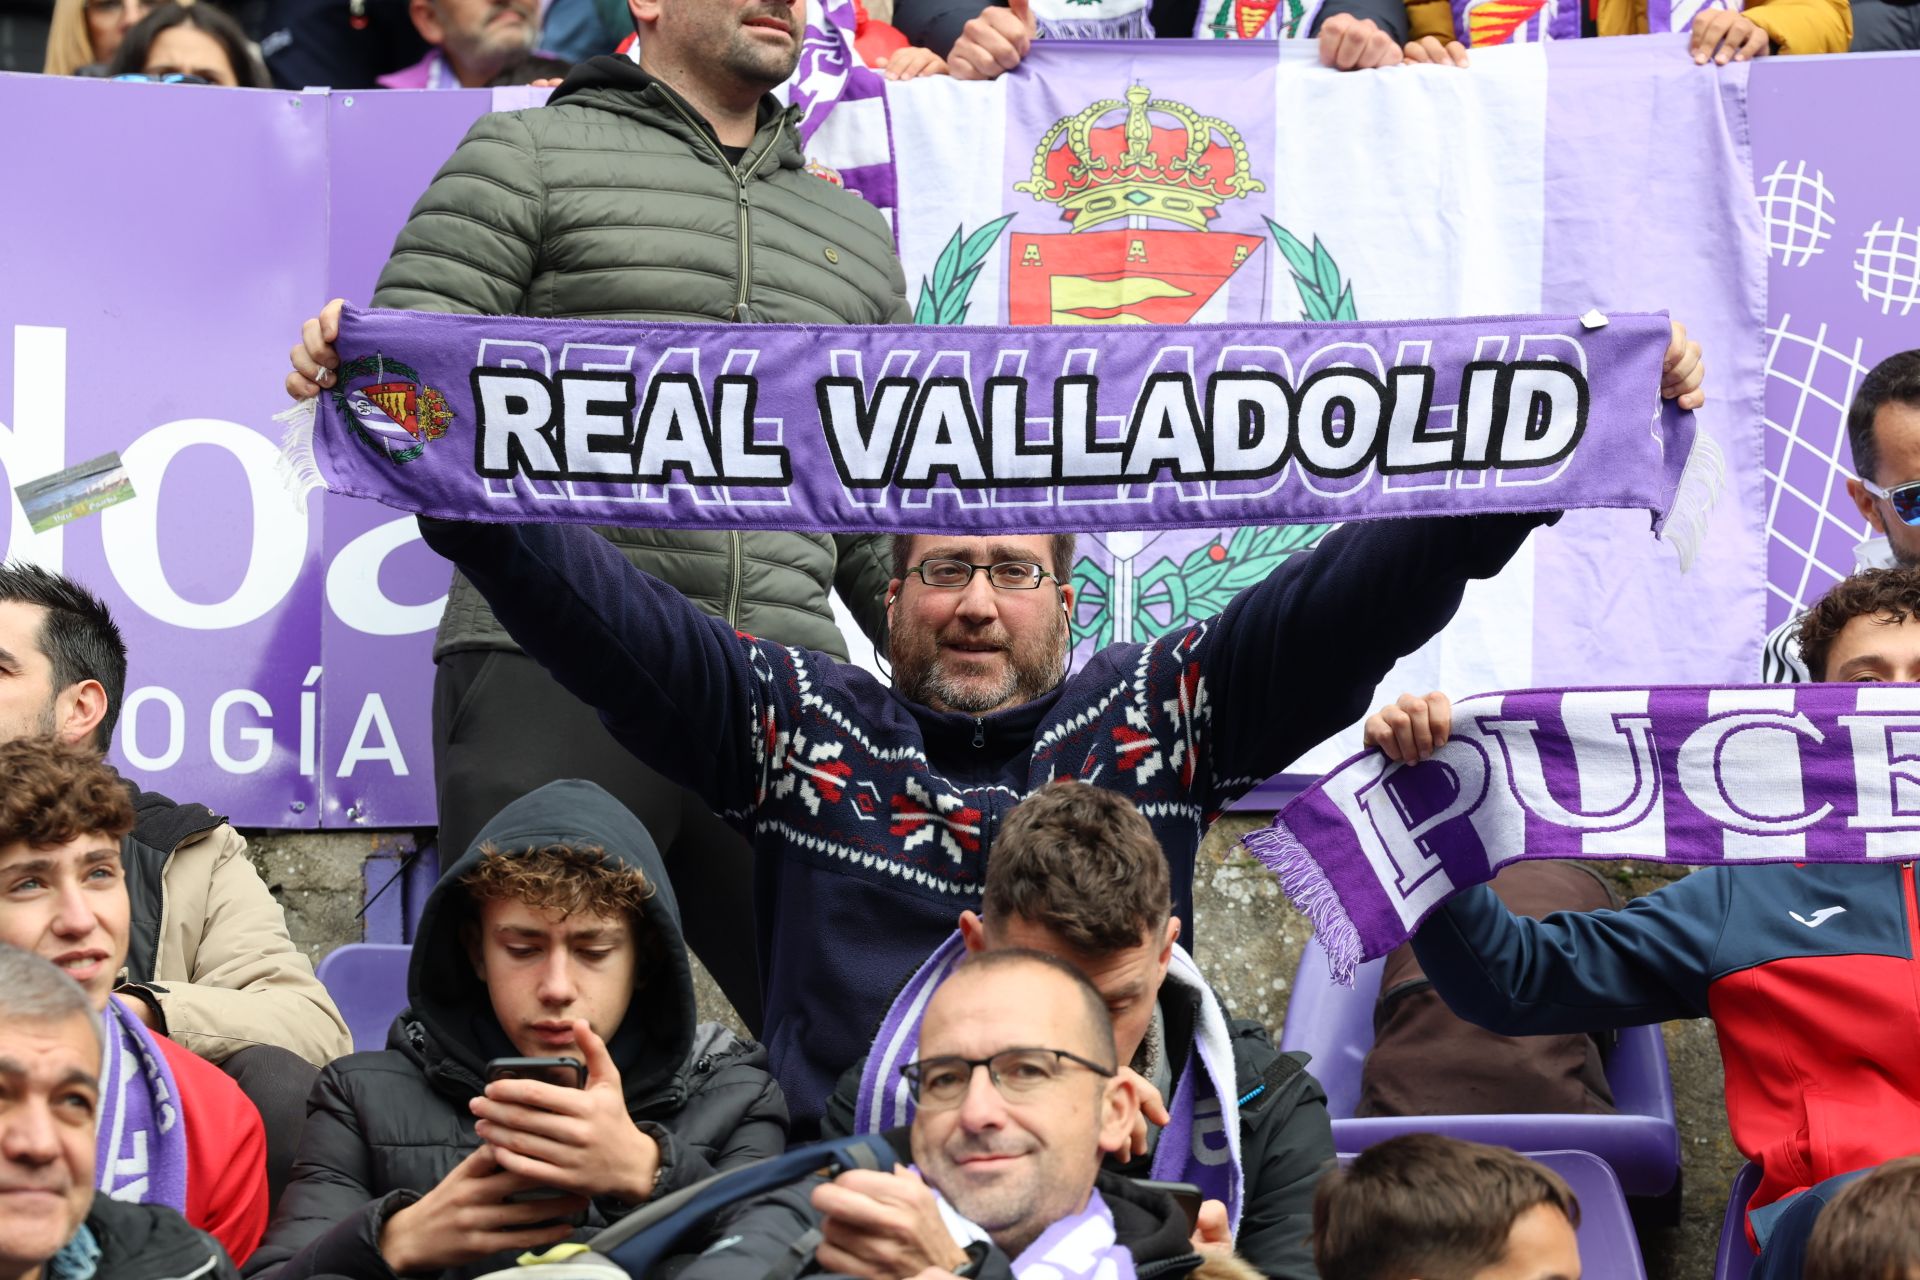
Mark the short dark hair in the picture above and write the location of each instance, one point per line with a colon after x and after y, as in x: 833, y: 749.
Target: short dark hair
x: 1060, y: 547
x: 78, y: 636
x: 1871, y: 1230
x: 131, y: 59
x: 1895, y: 379
x: 1429, y: 1206
x: 52, y: 792
x: 1081, y: 862
x: 1891, y: 595
x: 1092, y: 1004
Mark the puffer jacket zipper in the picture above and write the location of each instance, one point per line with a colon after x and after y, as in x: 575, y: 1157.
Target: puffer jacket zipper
x: 742, y: 309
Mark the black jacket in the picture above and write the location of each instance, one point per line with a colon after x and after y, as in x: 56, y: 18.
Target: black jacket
x: 383, y: 1128
x: 1286, y: 1138
x: 152, y: 1242
x: 767, y: 1239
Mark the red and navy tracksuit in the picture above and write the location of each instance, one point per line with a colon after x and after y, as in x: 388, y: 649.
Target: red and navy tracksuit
x: 1808, y: 971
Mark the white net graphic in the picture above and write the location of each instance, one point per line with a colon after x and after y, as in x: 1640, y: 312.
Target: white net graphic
x: 1810, y: 525
x: 1888, y: 266
x: 1798, y: 212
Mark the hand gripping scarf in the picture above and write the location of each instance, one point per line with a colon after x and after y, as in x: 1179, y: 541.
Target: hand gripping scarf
x: 977, y: 429
x: 1703, y: 776
x: 1201, y: 1142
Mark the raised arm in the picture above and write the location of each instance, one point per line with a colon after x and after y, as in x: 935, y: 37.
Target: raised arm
x: 1296, y: 658
x: 674, y: 686
x: 1576, y: 971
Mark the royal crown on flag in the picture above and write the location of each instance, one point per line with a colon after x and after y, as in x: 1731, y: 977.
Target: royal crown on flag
x: 1180, y: 170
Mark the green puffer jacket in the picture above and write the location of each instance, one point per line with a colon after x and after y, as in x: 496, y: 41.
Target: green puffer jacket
x: 616, y: 201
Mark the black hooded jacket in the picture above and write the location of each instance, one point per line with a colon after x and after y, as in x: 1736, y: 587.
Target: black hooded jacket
x: 383, y: 1128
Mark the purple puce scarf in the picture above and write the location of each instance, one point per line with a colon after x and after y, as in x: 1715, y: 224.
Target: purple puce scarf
x: 977, y: 429
x: 141, y: 1147
x: 1201, y: 1142
x: 1687, y: 774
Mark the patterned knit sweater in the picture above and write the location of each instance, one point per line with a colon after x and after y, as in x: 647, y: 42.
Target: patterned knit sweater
x: 872, y: 816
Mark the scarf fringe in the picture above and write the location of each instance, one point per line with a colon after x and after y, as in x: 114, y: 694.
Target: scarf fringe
x: 1128, y: 26
x: 1702, y: 481
x: 1307, y: 886
x: 298, y: 467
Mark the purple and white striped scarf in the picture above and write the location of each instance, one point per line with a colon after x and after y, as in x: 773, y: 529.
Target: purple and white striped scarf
x: 1201, y: 1142
x: 1686, y: 774
x: 844, y: 127
x: 1481, y: 23
x: 141, y: 1147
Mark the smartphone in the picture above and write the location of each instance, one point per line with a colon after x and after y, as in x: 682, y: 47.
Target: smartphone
x: 1184, y: 1194
x: 567, y: 1073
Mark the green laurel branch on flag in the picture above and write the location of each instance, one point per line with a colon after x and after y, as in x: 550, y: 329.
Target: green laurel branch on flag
x: 943, y: 295
x: 1323, y: 295
x: 1170, y: 595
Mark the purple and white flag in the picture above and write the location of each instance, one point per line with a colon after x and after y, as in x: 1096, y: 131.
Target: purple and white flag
x: 1687, y: 774
x: 899, y: 429
x: 843, y: 108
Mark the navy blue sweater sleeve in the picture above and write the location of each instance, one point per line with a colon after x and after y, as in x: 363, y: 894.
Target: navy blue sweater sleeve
x: 1297, y: 657
x: 674, y: 686
x: 1576, y: 971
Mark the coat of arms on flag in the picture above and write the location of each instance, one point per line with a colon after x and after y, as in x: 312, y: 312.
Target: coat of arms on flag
x: 1141, y: 193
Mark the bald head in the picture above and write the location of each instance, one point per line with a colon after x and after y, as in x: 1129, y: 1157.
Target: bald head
x: 1019, y: 973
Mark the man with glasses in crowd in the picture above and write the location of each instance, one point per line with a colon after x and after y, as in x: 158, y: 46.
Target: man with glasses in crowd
x: 1883, y: 429
x: 871, y: 810
x: 1019, y: 1099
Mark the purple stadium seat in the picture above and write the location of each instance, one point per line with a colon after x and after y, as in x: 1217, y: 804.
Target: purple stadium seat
x: 1609, y: 1249
x: 1736, y: 1257
x: 1335, y: 1025
x: 368, y: 982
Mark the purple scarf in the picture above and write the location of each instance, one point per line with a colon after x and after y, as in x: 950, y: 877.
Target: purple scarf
x: 1489, y: 22
x: 1703, y: 776
x: 902, y: 429
x: 1201, y: 1143
x: 141, y: 1151
x: 1080, y: 1246
x: 844, y: 126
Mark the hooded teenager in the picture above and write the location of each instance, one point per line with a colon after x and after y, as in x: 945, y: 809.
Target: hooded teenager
x: 555, y: 935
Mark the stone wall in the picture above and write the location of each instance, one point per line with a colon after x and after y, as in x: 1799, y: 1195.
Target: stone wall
x: 1252, y: 943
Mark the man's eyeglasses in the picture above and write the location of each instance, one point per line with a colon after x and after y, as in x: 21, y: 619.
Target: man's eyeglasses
x: 1019, y: 1074
x: 170, y: 77
x: 1007, y: 575
x: 1903, y: 498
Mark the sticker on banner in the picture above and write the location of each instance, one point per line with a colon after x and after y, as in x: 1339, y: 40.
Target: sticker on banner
x: 78, y: 491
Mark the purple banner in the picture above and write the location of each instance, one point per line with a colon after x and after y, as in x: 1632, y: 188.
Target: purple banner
x: 280, y: 661
x: 906, y: 429
x: 1808, y: 773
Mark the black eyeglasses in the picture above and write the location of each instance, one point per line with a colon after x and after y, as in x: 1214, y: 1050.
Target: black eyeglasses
x: 939, y: 1083
x: 1007, y: 575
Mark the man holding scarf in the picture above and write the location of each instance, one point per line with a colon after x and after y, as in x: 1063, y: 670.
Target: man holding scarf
x: 173, y: 1129
x: 873, y: 809
x: 1018, y: 1100
x: 1805, y: 968
x: 1076, y: 874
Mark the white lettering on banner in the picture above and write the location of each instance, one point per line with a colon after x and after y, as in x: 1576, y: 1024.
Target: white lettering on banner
x: 373, y: 716
x: 1742, y: 769
x: 1626, y: 724
x: 1885, y: 734
x: 353, y: 584
x: 1400, y: 836
x: 130, y: 533
x: 309, y: 720
x: 1338, y: 423
x: 260, y: 737
x: 176, y: 728
x: 36, y: 444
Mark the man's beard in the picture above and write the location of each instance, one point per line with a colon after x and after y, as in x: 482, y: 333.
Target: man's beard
x: 504, y: 49
x: 1032, y: 668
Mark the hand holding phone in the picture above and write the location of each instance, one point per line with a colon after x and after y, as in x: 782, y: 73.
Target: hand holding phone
x: 564, y: 1073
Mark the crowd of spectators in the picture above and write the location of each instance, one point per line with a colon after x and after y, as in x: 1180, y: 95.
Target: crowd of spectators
x: 1067, y: 1093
